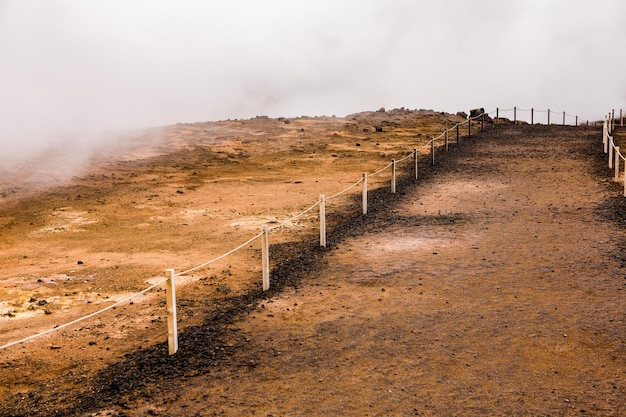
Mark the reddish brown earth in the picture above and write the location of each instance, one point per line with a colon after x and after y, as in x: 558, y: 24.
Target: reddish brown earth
x: 492, y: 285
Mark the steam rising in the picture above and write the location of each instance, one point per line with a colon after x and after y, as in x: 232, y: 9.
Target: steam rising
x: 72, y: 70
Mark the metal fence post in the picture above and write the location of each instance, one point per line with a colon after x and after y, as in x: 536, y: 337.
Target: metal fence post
x: 172, y: 322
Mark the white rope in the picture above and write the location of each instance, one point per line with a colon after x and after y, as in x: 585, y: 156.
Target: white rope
x: 380, y: 170
x: 345, y: 190
x: 405, y: 158
x: 95, y: 313
x: 294, y: 218
x: 195, y: 268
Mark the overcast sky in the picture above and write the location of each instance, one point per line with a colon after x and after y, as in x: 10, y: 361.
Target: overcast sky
x: 71, y: 67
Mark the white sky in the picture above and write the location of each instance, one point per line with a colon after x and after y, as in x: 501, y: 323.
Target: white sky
x: 77, y: 67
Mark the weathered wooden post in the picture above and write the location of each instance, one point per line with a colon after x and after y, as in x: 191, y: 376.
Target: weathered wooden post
x: 497, y: 115
x: 432, y: 151
x: 625, y: 180
x: 548, y: 117
x: 469, y: 127
x: 265, y: 258
x: 576, y: 121
x: 364, y: 194
x: 605, y: 136
x: 514, y: 115
x: 446, y: 136
x: 458, y: 133
x: 172, y: 322
x: 322, y: 221
x: 393, y: 176
x: 610, y: 152
x: 532, y: 116
x: 415, y: 162
x: 482, y: 123
x: 563, y: 118
x: 612, y: 120
x: 621, y: 118
x: 616, y: 163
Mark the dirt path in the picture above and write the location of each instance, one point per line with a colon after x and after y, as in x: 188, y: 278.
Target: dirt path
x: 493, y: 287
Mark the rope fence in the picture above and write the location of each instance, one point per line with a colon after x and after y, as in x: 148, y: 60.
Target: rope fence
x: 431, y: 147
x: 610, y: 148
x: 549, y: 117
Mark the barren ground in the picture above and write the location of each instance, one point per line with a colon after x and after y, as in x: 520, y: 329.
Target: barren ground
x: 492, y: 285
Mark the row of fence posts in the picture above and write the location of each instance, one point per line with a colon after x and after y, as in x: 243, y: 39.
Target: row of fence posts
x: 610, y: 147
x: 532, y: 116
x: 172, y: 324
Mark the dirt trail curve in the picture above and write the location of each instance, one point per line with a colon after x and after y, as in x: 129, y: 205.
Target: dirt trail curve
x: 492, y: 287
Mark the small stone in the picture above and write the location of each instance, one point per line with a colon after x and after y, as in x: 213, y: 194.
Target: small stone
x: 79, y: 262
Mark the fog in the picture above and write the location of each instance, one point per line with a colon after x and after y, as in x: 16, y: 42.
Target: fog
x: 71, y: 70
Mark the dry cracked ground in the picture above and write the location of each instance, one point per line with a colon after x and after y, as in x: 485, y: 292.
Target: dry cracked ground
x: 491, y: 285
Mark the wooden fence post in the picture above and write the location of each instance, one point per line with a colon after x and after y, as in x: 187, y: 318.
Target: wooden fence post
x: 610, y: 152
x: 621, y: 118
x: 563, y: 118
x: 616, y: 163
x: 469, y: 127
x: 514, y: 115
x: 393, y: 176
x: 612, y: 120
x: 624, y: 180
x: 265, y: 258
x: 432, y: 151
x: 482, y: 123
x: 322, y: 221
x: 605, y: 136
x: 415, y: 162
x: 364, y: 194
x: 172, y: 322
x: 548, y: 117
x: 532, y: 116
x: 497, y: 115
x: 458, y: 133
x: 447, y: 143
x: 576, y: 121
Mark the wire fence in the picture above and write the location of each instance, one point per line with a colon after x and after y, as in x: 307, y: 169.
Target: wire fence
x: 476, y: 120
